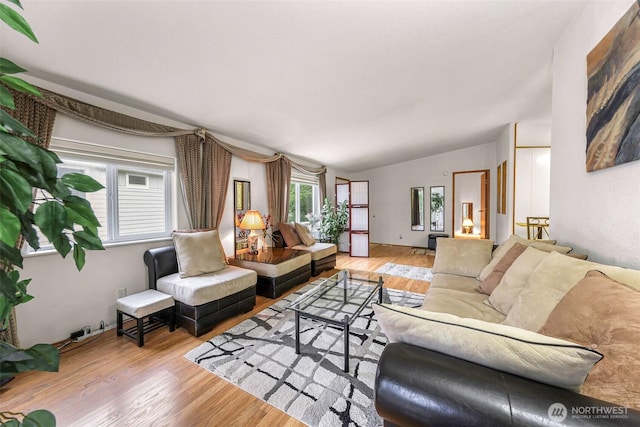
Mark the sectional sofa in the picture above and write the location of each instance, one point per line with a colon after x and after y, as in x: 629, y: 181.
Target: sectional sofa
x: 525, y: 334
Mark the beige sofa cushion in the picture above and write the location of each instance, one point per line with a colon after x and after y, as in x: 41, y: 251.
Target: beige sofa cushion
x: 493, y: 279
x: 450, y: 293
x: 461, y: 256
x: 463, y: 304
x: 603, y: 314
x: 504, y: 247
x: 198, y: 252
x: 549, y: 283
x: 528, y: 354
x: 515, y: 279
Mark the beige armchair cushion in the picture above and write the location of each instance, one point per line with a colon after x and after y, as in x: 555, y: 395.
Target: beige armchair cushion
x: 198, y: 252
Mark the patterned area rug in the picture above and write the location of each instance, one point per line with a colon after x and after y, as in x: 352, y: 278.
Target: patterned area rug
x: 406, y: 271
x: 258, y: 355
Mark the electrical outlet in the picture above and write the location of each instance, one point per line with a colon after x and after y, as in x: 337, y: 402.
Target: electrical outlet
x: 77, y: 334
x: 102, y: 324
x: 121, y: 292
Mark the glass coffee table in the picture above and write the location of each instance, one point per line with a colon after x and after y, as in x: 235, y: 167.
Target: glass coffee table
x: 338, y: 300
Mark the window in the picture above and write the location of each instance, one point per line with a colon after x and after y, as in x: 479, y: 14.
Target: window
x: 136, y: 201
x: 304, y: 198
x: 140, y: 181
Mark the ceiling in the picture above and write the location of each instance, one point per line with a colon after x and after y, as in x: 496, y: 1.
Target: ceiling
x: 349, y: 84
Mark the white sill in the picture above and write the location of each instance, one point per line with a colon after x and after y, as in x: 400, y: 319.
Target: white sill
x: 51, y: 251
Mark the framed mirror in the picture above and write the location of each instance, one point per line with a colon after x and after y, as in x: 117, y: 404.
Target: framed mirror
x: 417, y: 208
x: 437, y: 208
x: 242, y: 203
x: 467, y: 217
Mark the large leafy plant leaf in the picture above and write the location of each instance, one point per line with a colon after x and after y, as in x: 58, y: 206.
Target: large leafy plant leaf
x: 16, y: 21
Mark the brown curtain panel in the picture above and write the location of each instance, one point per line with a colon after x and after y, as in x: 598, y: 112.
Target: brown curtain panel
x: 40, y: 119
x: 278, y: 178
x: 217, y: 169
x: 189, y: 157
x: 322, y: 183
x: 204, y: 168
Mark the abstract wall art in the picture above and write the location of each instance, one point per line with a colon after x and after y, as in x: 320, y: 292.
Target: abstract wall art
x: 613, y: 95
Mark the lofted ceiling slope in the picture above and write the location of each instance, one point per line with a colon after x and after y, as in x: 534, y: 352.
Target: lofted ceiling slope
x: 350, y: 84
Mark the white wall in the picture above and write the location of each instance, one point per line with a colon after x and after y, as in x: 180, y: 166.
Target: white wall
x: 65, y: 299
x: 596, y: 212
x: 531, y: 180
x: 389, y: 189
x: 504, y: 151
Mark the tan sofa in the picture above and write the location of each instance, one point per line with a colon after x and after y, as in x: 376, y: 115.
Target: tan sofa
x: 533, y: 293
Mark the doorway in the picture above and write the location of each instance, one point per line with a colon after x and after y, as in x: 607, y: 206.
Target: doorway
x: 470, y: 207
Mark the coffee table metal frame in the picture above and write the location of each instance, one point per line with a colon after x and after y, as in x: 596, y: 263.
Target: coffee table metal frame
x: 345, y: 278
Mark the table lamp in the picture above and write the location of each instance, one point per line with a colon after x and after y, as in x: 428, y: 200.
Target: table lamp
x: 252, y: 221
x: 467, y: 225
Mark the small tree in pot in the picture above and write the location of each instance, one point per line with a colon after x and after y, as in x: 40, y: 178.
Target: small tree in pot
x: 334, y: 220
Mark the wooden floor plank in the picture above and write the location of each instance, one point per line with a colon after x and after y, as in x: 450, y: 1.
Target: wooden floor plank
x: 108, y: 381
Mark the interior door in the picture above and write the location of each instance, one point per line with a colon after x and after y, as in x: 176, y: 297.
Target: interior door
x: 342, y: 195
x: 359, y: 218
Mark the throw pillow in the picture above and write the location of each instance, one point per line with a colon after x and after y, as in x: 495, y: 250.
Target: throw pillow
x: 289, y: 234
x: 493, y: 279
x: 601, y: 313
x: 198, y: 252
x: 515, y: 279
x: 527, y: 354
x: 304, y: 234
x: 549, y: 283
x: 503, y: 248
x: 550, y: 248
x: 462, y: 257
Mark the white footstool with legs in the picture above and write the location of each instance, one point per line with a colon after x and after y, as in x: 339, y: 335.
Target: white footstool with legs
x: 144, y: 304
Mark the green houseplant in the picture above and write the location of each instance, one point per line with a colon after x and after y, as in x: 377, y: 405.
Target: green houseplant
x: 32, y: 195
x: 334, y: 220
x: 437, y: 202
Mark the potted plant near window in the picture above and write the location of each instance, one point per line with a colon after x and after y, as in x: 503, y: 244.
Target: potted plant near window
x: 334, y: 220
x: 32, y: 194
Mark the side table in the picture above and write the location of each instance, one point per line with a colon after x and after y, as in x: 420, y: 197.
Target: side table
x: 279, y: 269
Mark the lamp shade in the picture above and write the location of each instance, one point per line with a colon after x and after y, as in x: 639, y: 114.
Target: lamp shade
x: 252, y: 221
x: 467, y: 222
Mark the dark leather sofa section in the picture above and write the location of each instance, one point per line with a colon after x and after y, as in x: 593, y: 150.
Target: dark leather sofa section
x: 198, y: 320
x: 419, y: 387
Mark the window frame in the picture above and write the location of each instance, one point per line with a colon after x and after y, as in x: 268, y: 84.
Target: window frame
x: 128, y: 162
x: 300, y: 179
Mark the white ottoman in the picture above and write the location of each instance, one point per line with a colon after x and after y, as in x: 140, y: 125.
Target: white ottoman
x: 141, y: 305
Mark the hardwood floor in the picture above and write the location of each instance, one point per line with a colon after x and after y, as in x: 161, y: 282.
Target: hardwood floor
x: 108, y: 381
